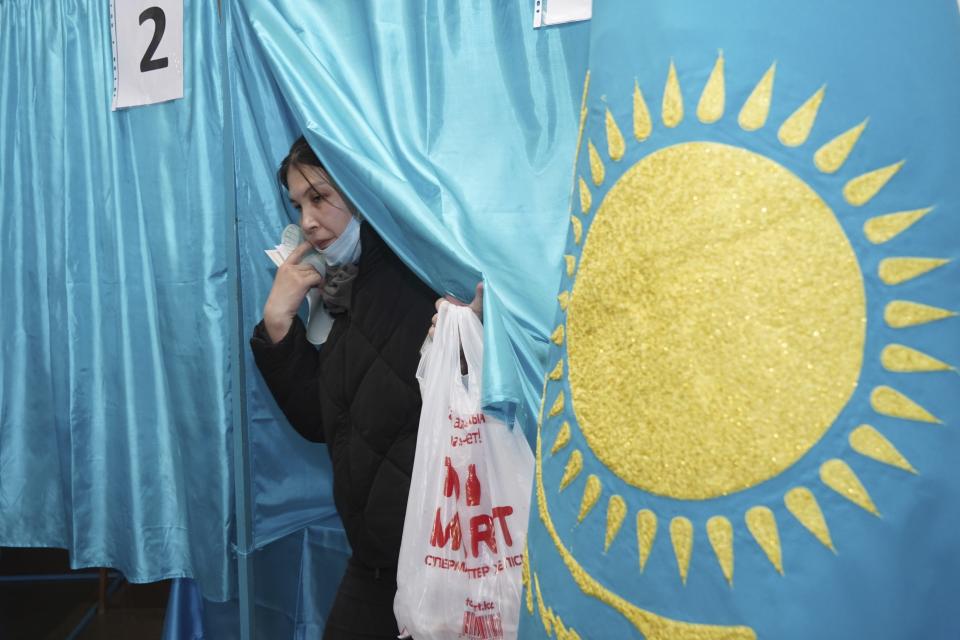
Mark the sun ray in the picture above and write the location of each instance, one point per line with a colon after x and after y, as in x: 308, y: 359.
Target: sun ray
x: 672, y: 109
x: 720, y: 533
x: 559, y: 630
x: 803, y: 505
x: 552, y: 623
x: 577, y: 228
x: 563, y: 438
x: 545, y: 616
x: 838, y: 475
x: 564, y: 300
x: 596, y: 164
x: 903, y: 313
x: 896, y: 357
x: 763, y: 527
x: 615, y: 144
x: 755, y: 110
x: 890, y: 402
x: 831, y: 156
x: 710, y: 107
x: 572, y: 470
x: 646, y: 533
x: 525, y: 576
x: 681, y: 534
x: 897, y: 270
x: 557, y: 336
x: 861, y: 190
x: 869, y: 442
x: 591, y: 493
x: 557, y: 372
x: 585, y: 199
x: 557, y: 406
x: 616, y: 511
x: 571, y: 264
x: 642, y: 124
x: 796, y: 129
x: 887, y: 227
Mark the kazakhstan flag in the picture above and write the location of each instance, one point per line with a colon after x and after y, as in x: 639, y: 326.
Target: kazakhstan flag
x: 751, y: 420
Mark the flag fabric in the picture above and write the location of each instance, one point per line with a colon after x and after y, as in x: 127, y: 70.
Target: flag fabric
x: 750, y: 417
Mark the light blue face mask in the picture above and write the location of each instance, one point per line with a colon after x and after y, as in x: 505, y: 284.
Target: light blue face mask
x: 346, y: 248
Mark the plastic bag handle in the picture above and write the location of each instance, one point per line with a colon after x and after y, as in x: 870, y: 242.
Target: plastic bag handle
x: 471, y: 340
x: 457, y: 327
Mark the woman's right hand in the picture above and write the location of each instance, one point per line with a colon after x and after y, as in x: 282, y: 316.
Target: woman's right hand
x: 476, y: 304
x: 294, y: 279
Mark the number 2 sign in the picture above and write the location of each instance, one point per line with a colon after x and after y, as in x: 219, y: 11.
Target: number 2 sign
x: 147, y: 51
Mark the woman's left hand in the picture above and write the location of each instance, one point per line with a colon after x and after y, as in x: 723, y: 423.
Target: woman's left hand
x: 476, y: 304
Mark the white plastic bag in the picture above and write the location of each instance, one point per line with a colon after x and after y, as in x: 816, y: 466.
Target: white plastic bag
x: 461, y: 557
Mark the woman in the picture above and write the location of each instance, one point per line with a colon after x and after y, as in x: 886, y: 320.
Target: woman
x: 359, y: 392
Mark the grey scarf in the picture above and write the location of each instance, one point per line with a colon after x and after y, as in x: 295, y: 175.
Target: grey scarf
x: 338, y: 286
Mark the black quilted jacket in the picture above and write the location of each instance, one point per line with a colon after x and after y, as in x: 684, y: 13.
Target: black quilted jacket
x: 359, y: 394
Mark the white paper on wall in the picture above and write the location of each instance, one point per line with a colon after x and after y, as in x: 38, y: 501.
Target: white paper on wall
x: 550, y: 12
x: 147, y: 37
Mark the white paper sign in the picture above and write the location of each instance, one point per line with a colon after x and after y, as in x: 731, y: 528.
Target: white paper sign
x: 549, y: 12
x: 147, y: 51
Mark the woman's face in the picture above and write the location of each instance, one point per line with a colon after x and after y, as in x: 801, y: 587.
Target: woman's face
x: 323, y: 212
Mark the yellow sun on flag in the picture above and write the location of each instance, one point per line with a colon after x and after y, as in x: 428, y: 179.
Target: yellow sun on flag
x: 715, y: 329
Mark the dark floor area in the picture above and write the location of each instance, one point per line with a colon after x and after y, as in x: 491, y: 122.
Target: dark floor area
x: 53, y: 610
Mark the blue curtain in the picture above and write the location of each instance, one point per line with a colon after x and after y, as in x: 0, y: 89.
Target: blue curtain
x: 452, y: 126
x: 115, y: 384
x: 291, y: 478
x: 296, y: 580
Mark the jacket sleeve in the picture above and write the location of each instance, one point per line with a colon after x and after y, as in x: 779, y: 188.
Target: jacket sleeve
x: 291, y: 369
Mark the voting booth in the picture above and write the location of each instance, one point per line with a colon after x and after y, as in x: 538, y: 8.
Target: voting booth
x: 719, y: 248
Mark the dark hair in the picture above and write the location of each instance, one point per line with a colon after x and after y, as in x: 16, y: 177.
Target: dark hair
x: 300, y: 155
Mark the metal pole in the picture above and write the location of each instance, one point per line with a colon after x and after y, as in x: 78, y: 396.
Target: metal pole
x: 241, y: 453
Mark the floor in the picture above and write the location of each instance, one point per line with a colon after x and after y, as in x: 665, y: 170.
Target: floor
x: 53, y: 610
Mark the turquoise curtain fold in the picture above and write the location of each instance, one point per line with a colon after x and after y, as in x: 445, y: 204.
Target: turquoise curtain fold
x: 296, y: 581
x: 290, y: 478
x: 452, y: 126
x: 779, y: 165
x: 115, y: 384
